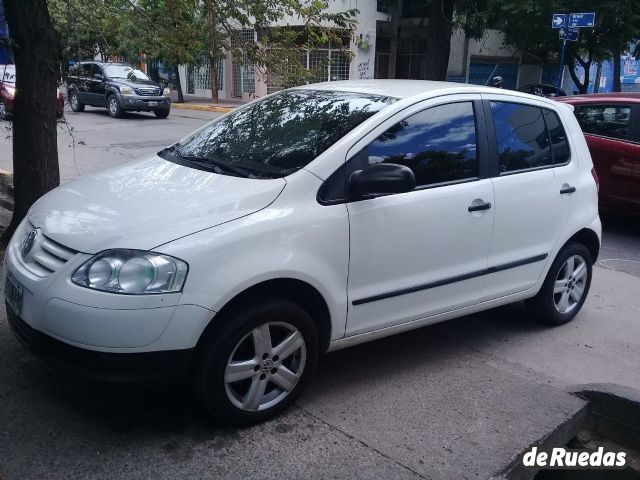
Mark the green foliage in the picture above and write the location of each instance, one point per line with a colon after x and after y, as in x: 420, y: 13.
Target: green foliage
x: 527, y: 25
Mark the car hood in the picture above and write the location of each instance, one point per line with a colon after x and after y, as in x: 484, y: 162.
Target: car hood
x: 146, y: 203
x: 134, y: 83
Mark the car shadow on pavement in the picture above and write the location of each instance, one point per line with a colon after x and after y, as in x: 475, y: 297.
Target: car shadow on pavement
x: 158, y: 410
x: 127, y: 115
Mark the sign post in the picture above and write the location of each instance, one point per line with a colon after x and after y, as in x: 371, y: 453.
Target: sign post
x: 569, y: 25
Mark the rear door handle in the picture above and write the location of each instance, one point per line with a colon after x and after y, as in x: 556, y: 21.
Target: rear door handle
x: 567, y: 189
x: 479, y: 206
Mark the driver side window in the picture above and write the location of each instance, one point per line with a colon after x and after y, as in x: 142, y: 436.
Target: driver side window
x: 439, y: 144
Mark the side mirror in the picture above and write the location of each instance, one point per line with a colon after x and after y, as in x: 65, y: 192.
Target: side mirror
x: 98, y: 76
x: 382, y: 179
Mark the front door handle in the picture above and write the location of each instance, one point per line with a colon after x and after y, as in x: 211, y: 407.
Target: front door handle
x: 479, y: 206
x: 567, y: 189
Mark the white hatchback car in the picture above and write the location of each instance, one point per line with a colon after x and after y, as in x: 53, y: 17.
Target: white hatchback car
x: 309, y: 220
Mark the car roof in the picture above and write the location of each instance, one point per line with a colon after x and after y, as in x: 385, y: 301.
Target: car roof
x: 399, y: 88
x: 624, y: 97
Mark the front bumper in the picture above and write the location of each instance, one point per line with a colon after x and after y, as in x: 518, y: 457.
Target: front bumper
x: 168, y: 366
x: 144, y: 103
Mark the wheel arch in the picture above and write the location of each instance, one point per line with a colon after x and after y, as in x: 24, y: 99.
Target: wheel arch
x: 589, y: 239
x: 298, y: 291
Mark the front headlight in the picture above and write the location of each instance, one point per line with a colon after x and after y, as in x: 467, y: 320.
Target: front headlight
x: 132, y: 271
x: 127, y: 91
x: 166, y: 92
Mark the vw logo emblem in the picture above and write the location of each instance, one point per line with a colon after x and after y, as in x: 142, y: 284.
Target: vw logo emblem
x: 28, y: 242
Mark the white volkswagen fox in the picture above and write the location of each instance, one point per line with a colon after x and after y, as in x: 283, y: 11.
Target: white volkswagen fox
x: 309, y: 220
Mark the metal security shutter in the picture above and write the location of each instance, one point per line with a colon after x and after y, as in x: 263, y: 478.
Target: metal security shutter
x: 482, y: 73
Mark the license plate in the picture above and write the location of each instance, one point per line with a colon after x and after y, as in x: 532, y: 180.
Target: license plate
x: 13, y: 293
x: 153, y: 104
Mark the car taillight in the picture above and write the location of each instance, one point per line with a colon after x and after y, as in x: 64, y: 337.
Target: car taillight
x: 595, y: 177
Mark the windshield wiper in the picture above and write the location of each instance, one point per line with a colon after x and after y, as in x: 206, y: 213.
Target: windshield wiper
x: 215, y: 165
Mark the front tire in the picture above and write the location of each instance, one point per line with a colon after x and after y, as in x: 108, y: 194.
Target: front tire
x: 256, y: 362
x: 565, y: 287
x: 113, y: 107
x: 75, y: 103
x: 162, y: 113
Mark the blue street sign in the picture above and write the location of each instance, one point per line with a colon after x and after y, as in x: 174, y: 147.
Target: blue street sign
x: 559, y: 20
x: 581, y: 20
x: 570, y: 34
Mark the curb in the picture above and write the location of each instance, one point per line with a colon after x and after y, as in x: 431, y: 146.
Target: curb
x: 207, y: 108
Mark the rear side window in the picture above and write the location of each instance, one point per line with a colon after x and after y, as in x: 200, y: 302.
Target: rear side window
x: 606, y: 120
x: 438, y: 144
x: 528, y: 137
x: 521, y: 134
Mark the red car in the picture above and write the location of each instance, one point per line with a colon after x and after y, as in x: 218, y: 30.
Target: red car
x: 611, y: 125
x: 8, y: 91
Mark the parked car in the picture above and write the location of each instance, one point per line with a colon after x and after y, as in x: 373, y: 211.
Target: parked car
x: 118, y: 88
x: 543, y: 90
x: 611, y: 125
x: 8, y: 91
x: 309, y: 220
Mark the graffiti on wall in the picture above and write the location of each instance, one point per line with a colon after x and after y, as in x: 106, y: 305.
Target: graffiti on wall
x: 364, y: 70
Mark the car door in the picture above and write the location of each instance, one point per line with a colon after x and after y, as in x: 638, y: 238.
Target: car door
x: 421, y: 253
x: 94, y: 97
x: 98, y: 86
x: 83, y: 83
x: 532, y: 199
x: 635, y: 156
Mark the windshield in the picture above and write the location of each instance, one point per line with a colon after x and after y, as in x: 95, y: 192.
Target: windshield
x: 8, y: 73
x: 124, y: 71
x: 279, y: 134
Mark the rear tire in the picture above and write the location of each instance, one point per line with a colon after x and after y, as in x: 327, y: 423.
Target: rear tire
x: 255, y: 362
x: 75, y: 103
x: 162, y: 113
x: 113, y: 107
x: 565, y: 287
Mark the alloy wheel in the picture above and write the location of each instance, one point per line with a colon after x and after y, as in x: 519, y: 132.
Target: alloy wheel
x: 570, y: 284
x: 113, y: 106
x: 265, y: 366
x: 74, y: 101
x: 3, y: 110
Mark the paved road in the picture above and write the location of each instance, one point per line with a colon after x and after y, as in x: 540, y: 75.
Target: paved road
x: 459, y: 399
x: 91, y: 140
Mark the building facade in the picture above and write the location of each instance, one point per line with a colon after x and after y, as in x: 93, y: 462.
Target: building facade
x: 471, y: 60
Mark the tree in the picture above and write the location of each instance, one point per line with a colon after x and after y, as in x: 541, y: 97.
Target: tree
x: 526, y: 25
x: 278, y: 49
x: 36, y: 49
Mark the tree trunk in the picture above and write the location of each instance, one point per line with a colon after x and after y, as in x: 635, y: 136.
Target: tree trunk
x: 438, y: 44
x: 615, y: 58
x: 396, y: 13
x: 176, y: 72
x: 35, y: 150
x: 582, y: 87
x: 211, y: 20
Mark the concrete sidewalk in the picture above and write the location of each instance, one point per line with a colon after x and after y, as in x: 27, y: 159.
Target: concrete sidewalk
x: 206, y: 104
x: 456, y: 400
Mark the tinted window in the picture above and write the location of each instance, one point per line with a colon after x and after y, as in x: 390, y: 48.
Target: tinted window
x: 559, y: 142
x: 280, y: 134
x: 606, y: 120
x: 521, y: 136
x: 438, y: 144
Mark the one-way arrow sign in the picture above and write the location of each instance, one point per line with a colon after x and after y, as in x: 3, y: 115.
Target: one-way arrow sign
x: 570, y: 34
x: 559, y: 20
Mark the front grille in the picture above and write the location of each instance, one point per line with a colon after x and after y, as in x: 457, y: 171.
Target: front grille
x: 46, y: 256
x: 147, y: 91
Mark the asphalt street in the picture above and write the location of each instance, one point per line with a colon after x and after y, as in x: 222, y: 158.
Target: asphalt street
x: 459, y: 399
